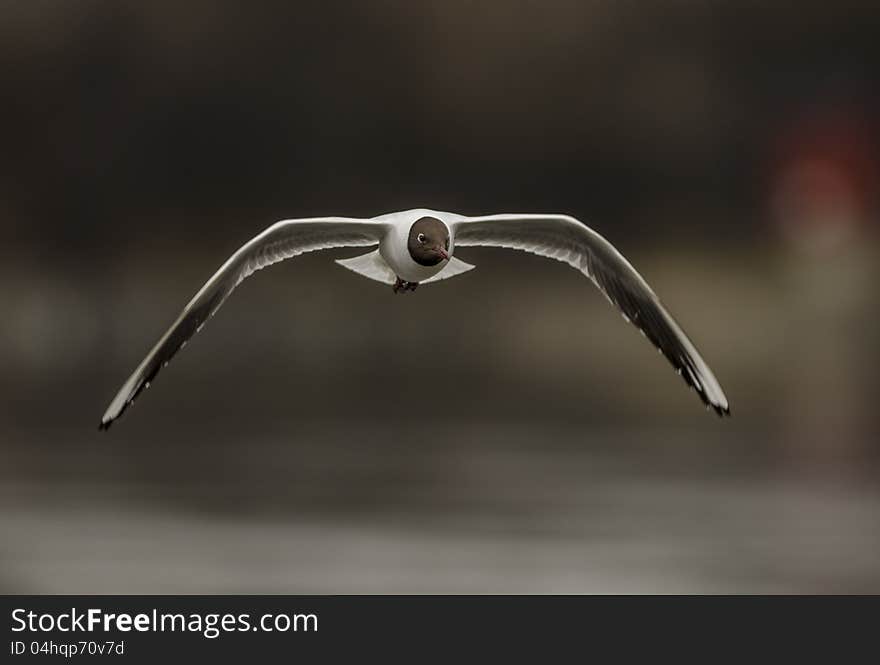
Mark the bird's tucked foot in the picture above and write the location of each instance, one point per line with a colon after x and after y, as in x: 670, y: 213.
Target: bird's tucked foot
x: 403, y: 285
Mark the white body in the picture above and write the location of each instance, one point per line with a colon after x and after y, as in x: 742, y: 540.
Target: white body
x: 393, y: 247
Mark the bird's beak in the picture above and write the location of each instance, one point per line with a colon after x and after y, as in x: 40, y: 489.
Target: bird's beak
x: 443, y: 253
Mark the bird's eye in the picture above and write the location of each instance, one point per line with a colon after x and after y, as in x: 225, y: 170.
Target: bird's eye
x: 422, y: 238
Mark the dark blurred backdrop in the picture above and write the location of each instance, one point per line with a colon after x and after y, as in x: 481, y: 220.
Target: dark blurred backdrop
x: 728, y: 149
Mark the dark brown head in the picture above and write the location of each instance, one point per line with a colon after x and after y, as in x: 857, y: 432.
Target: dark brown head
x: 428, y: 241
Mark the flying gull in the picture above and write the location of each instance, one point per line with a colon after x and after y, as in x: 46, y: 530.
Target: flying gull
x: 416, y: 247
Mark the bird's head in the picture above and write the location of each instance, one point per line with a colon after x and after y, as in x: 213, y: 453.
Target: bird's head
x: 428, y: 242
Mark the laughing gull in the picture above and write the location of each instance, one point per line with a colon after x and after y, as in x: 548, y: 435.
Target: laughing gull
x: 416, y: 247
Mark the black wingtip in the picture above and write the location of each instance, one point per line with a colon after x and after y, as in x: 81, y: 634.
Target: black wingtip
x: 104, y: 426
x: 721, y: 411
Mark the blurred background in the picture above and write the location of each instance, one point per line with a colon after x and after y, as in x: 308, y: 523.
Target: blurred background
x: 730, y: 150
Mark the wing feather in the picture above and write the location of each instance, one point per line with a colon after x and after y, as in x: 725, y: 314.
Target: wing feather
x: 283, y: 240
x: 566, y: 239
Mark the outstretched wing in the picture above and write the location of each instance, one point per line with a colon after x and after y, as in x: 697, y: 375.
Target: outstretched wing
x: 566, y: 239
x: 280, y: 241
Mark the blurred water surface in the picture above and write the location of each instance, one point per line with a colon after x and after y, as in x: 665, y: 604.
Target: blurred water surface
x: 464, y: 508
